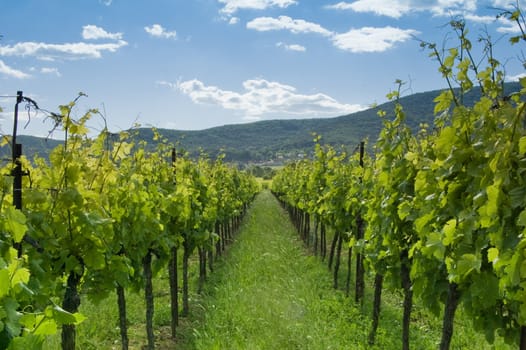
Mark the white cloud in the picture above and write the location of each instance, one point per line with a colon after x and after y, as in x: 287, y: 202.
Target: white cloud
x: 46, y: 58
x: 391, y: 8
x: 47, y: 70
x: 366, y: 39
x: 340, y: 6
x: 370, y: 39
x: 296, y: 26
x: 48, y: 52
x: 261, y: 97
x: 233, y: 20
x: 480, y: 19
x: 515, y: 77
x: 399, y: 8
x: 292, y: 47
x: 232, y: 6
x: 158, y: 31
x: 92, y: 32
x: 508, y: 27
x: 166, y: 83
x: 11, y: 72
x: 448, y: 7
x: 106, y: 2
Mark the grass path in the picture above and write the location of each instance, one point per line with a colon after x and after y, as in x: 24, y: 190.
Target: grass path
x: 269, y: 294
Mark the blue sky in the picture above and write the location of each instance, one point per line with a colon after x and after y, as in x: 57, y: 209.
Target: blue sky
x: 195, y: 64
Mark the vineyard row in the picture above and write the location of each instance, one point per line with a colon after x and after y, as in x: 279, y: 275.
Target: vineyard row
x: 104, y: 214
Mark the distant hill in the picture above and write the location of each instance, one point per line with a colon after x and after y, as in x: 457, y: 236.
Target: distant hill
x: 266, y: 140
x: 31, y: 146
x: 278, y: 140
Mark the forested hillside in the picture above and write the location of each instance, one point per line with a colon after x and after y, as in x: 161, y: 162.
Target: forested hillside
x: 275, y: 141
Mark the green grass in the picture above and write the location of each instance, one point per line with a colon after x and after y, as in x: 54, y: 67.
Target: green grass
x: 269, y: 292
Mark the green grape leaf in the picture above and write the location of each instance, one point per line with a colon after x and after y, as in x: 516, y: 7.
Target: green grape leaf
x: 467, y: 264
x: 12, y: 322
x: 517, y: 196
x: 521, y: 221
x: 450, y: 60
x: 16, y: 223
x: 422, y: 221
x: 45, y: 326
x: 485, y: 289
x: 4, y: 282
x: 28, y: 320
x: 404, y: 210
x: 64, y: 317
x: 94, y: 259
x: 443, y: 101
x: 489, y: 210
x: 513, y: 269
x: 445, y: 140
x: 522, y: 145
x: 450, y: 230
x: 30, y: 341
x: 493, y: 255
x: 20, y: 275
x: 434, y: 246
